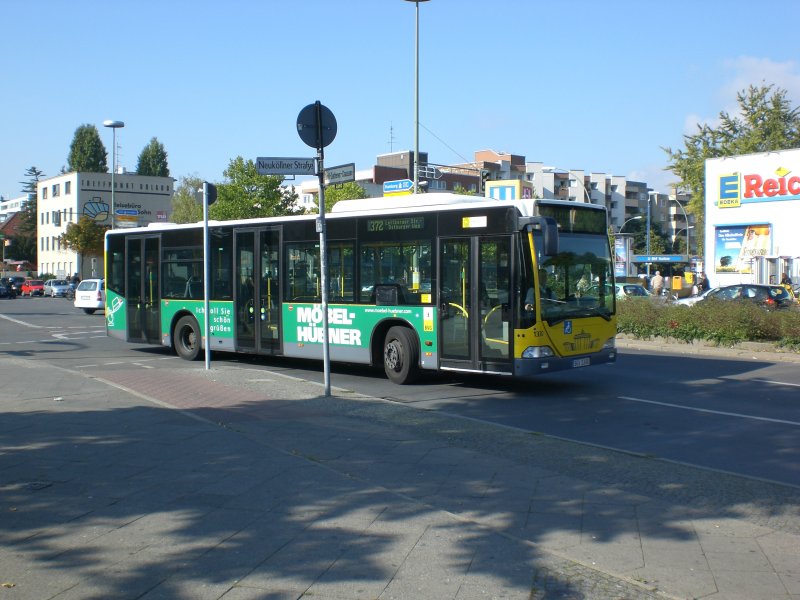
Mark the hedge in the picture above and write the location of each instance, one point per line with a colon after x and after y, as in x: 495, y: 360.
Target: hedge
x: 725, y: 323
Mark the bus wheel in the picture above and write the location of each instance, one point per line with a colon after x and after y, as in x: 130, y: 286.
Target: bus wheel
x: 400, y: 356
x: 186, y: 338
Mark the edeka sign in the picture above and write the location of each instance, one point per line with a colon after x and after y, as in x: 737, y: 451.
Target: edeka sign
x: 736, y: 189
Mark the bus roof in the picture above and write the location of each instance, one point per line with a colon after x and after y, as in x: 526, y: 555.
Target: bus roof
x: 428, y: 202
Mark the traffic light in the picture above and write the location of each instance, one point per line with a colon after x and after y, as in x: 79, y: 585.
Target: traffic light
x: 485, y: 173
x: 211, y: 193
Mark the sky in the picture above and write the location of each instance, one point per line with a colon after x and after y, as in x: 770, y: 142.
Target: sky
x: 575, y: 84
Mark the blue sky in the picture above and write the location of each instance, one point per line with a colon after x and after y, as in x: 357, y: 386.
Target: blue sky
x: 599, y: 86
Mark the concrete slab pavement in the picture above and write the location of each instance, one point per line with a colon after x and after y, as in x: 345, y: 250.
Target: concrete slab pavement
x: 239, y: 483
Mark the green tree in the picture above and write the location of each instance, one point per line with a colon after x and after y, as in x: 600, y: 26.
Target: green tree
x: 186, y: 205
x: 346, y: 191
x: 87, y: 152
x: 23, y: 244
x: 766, y: 122
x: 246, y: 194
x: 153, y: 160
x: 84, y: 237
x: 460, y: 189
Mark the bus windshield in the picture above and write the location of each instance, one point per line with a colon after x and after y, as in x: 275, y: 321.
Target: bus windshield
x: 577, y: 282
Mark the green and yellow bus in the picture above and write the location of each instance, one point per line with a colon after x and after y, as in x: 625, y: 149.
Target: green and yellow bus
x: 430, y: 282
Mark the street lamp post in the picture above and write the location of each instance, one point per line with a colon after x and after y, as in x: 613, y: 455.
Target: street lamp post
x: 416, y: 96
x: 685, y: 220
x: 687, y: 239
x: 114, y: 125
x: 636, y: 218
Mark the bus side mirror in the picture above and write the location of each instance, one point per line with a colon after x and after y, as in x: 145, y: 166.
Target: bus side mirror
x: 549, y: 236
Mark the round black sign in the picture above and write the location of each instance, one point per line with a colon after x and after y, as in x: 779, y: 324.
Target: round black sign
x: 316, y: 125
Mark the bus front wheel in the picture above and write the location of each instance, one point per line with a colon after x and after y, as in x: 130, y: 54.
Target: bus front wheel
x: 400, y: 356
x: 187, y: 338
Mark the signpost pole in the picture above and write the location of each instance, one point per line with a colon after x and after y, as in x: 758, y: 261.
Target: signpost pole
x: 318, y: 120
x: 206, y: 285
x: 323, y: 253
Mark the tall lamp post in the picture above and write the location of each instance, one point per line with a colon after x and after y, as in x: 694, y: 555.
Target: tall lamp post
x: 416, y: 96
x: 636, y: 218
x: 114, y: 125
x: 686, y: 221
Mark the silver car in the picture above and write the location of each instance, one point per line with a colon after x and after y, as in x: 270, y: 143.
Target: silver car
x: 56, y: 288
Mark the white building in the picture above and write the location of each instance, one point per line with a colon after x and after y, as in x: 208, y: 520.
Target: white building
x: 9, y: 206
x: 752, y: 213
x: 64, y: 199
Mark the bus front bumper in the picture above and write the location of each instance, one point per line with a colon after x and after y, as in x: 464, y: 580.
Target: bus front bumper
x: 528, y: 367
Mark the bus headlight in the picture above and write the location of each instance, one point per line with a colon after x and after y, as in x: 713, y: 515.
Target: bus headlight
x: 537, y: 352
x: 610, y: 344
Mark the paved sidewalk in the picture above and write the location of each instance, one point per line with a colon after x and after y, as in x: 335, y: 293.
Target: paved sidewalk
x: 243, y: 483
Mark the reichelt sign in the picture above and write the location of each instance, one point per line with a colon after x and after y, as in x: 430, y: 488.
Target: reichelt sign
x: 272, y: 165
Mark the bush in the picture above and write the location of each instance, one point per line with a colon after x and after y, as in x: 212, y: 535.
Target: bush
x: 722, y: 322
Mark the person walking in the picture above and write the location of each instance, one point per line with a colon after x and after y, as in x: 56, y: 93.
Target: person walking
x: 657, y: 284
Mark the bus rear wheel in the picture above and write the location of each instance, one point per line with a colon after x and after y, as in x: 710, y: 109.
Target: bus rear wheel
x: 186, y: 338
x: 400, y: 356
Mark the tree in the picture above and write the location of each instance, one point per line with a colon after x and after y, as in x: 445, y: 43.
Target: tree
x: 87, y: 152
x: 766, y: 121
x: 84, y: 237
x: 345, y: 191
x: 186, y: 207
x: 153, y: 160
x: 460, y: 189
x: 24, y: 241
x: 246, y: 194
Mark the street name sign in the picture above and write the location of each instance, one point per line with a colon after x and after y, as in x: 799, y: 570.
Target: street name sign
x: 278, y: 165
x: 340, y: 174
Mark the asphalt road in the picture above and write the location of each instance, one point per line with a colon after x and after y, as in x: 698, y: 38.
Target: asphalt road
x: 724, y: 413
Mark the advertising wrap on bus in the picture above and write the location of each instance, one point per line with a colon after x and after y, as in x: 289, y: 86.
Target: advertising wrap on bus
x: 350, y: 330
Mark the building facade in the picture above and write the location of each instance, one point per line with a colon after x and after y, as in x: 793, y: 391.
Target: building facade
x: 64, y: 199
x: 752, y: 208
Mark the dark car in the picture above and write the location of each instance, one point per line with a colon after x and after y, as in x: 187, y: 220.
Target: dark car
x: 6, y: 291
x: 15, y: 283
x: 768, y: 296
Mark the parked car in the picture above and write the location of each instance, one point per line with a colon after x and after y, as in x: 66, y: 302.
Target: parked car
x: 624, y: 290
x: 15, y: 283
x: 32, y: 287
x: 692, y: 300
x: 56, y: 288
x: 768, y: 296
x: 90, y: 295
x: 6, y: 291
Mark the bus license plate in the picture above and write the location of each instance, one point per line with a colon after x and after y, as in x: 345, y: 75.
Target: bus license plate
x: 580, y: 362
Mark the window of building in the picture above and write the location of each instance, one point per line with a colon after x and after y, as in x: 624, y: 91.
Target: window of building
x: 56, y: 189
x: 44, y: 193
x: 56, y: 218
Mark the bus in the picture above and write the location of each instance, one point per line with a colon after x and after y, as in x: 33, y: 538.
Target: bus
x: 429, y: 282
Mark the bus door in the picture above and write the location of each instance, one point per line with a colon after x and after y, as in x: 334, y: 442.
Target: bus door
x: 475, y: 303
x: 257, y: 295
x: 142, y: 289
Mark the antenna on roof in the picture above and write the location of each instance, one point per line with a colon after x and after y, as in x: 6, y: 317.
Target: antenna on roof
x: 391, y: 137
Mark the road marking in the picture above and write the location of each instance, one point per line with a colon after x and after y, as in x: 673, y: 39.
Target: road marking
x: 781, y: 383
x: 18, y: 322
x: 713, y: 412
